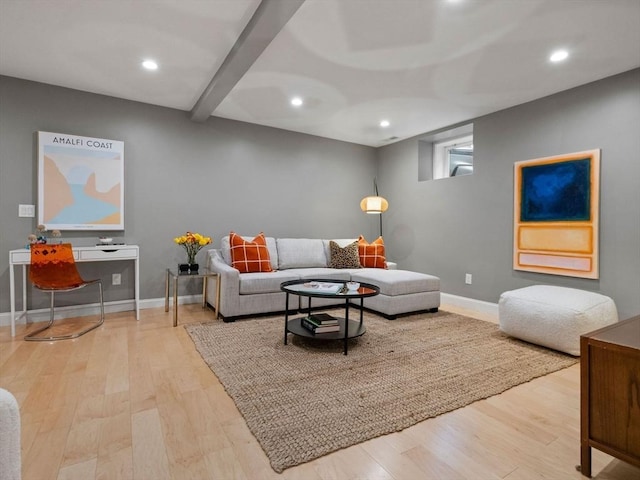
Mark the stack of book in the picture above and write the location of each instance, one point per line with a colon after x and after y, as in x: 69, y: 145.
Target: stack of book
x: 320, y: 323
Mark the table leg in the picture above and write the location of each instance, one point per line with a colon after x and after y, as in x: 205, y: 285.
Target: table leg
x: 137, y: 285
x: 585, y: 375
x: 585, y: 460
x: 175, y: 301
x: 286, y: 316
x: 346, y: 325
x: 218, y: 280
x: 24, y: 292
x: 166, y: 292
x: 12, y: 293
x: 204, y: 292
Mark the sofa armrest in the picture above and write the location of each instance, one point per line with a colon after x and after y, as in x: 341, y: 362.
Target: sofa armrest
x: 229, y: 279
x: 216, y: 263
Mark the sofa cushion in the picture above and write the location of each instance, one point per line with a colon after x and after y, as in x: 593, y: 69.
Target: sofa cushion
x: 372, y: 254
x: 260, y: 282
x: 342, y: 242
x: 397, y: 282
x: 249, y: 256
x: 225, y: 250
x: 346, y: 257
x: 300, y: 253
x: 320, y: 273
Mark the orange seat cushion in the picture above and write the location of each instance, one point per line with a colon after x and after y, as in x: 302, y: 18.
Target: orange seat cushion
x: 372, y: 254
x: 249, y: 256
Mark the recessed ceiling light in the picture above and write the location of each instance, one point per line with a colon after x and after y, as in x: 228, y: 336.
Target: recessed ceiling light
x: 150, y: 65
x: 384, y: 123
x: 559, y: 55
x: 296, y: 101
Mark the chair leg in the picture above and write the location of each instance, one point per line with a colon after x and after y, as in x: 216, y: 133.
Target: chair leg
x: 31, y: 336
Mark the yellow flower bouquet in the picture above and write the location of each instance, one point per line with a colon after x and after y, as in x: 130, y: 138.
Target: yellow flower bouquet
x: 192, y: 243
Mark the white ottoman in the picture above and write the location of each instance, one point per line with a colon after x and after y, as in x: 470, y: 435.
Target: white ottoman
x: 554, y: 317
x: 10, y: 467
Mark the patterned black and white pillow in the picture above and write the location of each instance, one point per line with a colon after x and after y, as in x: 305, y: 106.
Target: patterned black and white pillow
x: 344, y: 257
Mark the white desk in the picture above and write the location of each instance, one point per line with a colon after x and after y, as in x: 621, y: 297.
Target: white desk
x: 106, y: 253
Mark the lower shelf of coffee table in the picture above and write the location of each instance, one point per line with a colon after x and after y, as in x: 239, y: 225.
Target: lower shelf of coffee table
x: 355, y: 330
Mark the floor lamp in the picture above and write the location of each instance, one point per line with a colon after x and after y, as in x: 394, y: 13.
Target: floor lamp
x: 375, y: 204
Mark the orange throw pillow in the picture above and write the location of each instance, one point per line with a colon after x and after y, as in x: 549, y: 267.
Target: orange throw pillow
x: 248, y: 257
x: 372, y: 254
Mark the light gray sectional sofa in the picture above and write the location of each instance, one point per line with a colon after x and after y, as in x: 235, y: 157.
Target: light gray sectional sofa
x: 243, y: 294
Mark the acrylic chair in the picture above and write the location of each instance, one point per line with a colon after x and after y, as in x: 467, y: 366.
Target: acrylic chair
x: 53, y: 269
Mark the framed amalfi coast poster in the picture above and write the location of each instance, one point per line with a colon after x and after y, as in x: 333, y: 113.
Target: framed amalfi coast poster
x: 556, y: 214
x: 80, y: 182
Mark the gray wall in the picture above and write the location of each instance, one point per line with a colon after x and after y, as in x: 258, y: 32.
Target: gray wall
x: 180, y: 175
x: 224, y: 175
x: 454, y: 226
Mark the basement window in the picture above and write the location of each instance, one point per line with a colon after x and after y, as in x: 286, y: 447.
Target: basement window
x: 453, y: 157
x: 446, y: 153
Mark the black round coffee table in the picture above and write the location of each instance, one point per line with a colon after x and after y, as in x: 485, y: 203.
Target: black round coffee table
x: 327, y: 288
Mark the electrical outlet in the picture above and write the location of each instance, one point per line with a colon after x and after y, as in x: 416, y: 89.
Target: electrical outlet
x: 116, y: 279
x: 467, y: 278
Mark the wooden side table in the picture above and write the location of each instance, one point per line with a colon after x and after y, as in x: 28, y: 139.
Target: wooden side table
x: 610, y: 393
x: 204, y: 274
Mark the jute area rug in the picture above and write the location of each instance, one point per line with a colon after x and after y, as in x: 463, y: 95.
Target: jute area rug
x: 306, y: 399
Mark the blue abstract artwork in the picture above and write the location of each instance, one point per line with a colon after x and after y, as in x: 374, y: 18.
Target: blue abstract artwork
x: 555, y: 192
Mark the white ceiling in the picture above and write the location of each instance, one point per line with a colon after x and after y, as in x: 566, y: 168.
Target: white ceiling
x: 421, y: 64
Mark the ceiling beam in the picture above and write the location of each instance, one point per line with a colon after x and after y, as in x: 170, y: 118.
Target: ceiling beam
x: 267, y: 21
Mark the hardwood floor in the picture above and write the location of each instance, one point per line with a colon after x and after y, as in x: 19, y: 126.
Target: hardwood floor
x: 134, y: 400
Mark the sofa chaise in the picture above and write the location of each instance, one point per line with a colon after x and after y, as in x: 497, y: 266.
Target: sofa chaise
x: 251, y: 293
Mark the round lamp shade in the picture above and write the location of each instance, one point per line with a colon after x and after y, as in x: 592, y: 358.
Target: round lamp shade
x: 374, y: 204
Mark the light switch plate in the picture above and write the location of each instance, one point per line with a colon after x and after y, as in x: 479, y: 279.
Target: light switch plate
x: 26, y: 210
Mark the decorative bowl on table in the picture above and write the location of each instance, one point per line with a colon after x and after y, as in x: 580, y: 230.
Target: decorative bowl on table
x: 353, y: 286
x: 105, y: 240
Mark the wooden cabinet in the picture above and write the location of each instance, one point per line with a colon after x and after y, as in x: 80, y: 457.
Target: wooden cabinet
x: 610, y: 393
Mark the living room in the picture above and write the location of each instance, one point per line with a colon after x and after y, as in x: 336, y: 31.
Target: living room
x: 221, y: 175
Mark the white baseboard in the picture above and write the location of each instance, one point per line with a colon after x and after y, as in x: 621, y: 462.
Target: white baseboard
x: 159, y: 302
x: 486, y: 308
x: 42, y: 315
